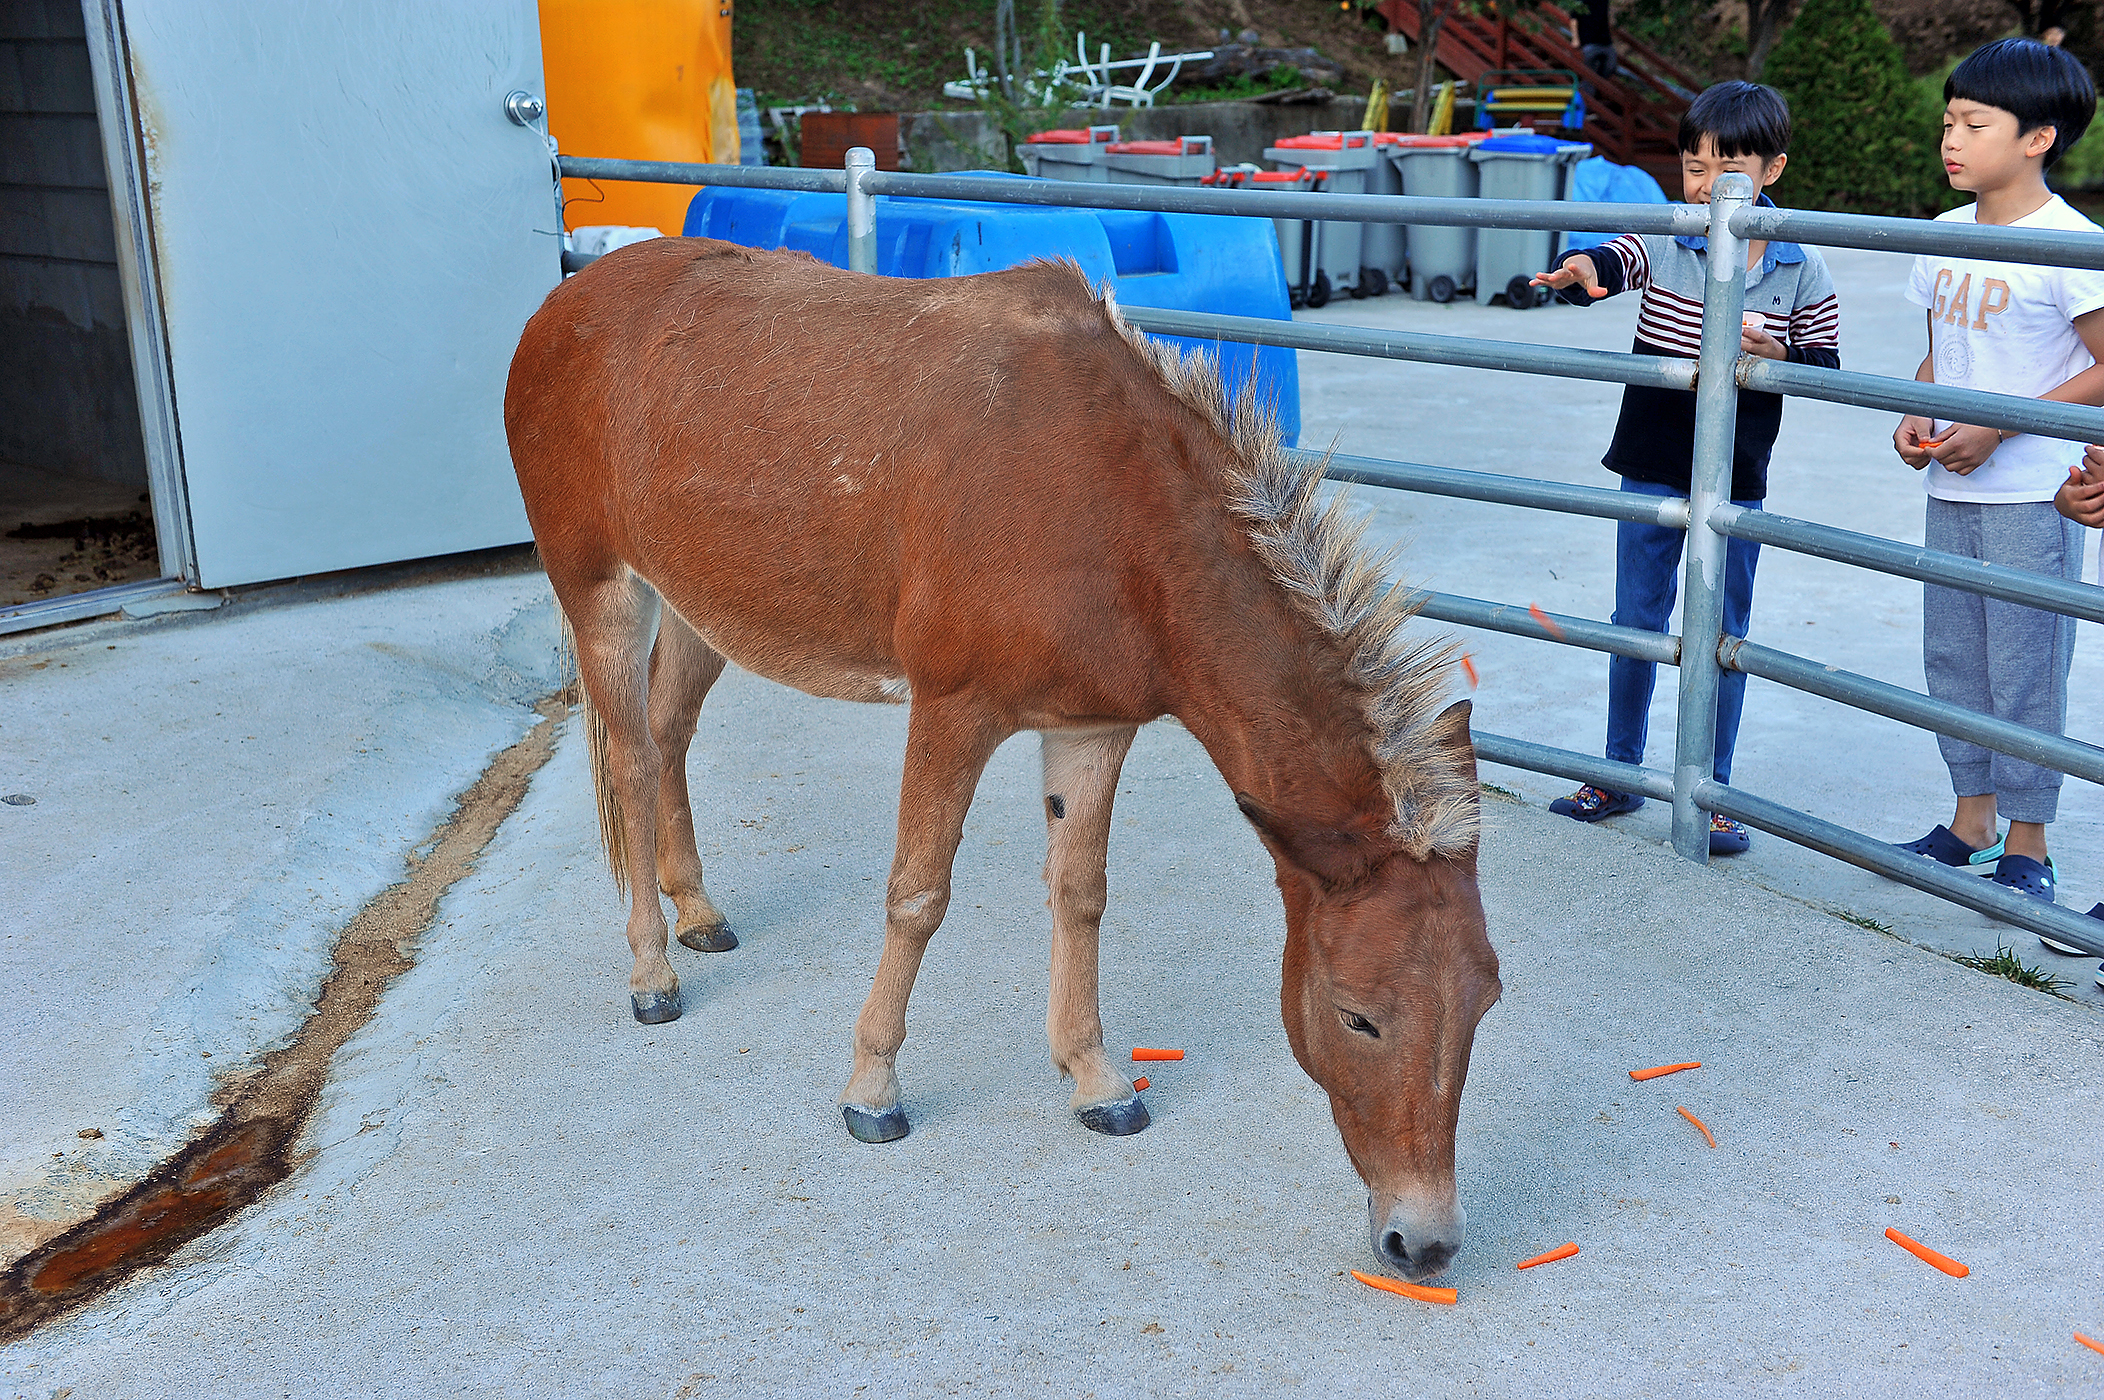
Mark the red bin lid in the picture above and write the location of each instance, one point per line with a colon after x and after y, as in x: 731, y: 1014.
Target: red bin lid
x: 1063, y: 137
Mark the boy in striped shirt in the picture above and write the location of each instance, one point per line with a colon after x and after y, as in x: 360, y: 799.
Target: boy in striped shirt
x: 1791, y: 314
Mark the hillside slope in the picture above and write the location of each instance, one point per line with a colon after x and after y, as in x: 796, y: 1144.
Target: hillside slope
x: 881, y: 55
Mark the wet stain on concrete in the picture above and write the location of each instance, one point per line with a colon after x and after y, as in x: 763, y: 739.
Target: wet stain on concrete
x: 252, y: 1146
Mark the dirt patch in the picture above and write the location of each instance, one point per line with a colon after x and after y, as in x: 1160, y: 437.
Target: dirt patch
x: 60, y: 557
x: 252, y: 1146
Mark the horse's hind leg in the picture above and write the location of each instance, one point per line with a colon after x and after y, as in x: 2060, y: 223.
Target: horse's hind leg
x: 682, y: 668
x: 1081, y: 782
x: 612, y: 620
x: 947, y: 745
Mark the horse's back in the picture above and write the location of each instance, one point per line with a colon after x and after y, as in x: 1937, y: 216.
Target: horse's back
x: 798, y: 458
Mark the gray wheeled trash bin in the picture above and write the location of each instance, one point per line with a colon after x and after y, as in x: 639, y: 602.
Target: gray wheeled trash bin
x: 1521, y: 167
x: 1442, y: 259
x: 1184, y: 160
x: 1069, y: 155
x: 1342, y: 159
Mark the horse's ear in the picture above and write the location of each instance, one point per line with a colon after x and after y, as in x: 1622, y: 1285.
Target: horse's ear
x: 1335, y: 858
x: 1450, y: 734
x: 1459, y: 813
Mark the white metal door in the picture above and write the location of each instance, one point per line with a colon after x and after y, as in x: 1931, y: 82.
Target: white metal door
x: 348, y: 235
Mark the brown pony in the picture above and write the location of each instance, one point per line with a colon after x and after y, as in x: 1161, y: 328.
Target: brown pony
x: 987, y: 495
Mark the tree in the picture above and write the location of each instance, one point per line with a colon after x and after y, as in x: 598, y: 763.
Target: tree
x: 1864, y: 141
x: 1764, y: 20
x: 1432, y: 16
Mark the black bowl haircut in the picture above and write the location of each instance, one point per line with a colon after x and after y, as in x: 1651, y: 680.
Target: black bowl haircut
x: 1743, y: 119
x: 2039, y: 84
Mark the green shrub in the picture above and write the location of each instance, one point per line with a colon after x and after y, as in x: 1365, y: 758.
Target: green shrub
x: 1864, y: 138
x: 2081, y: 166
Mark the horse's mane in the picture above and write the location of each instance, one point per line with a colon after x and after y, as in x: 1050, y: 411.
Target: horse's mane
x: 1319, y: 556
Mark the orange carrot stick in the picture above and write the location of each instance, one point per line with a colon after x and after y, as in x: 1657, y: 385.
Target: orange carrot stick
x: 2089, y: 1342
x: 1548, y: 623
x: 1409, y: 1290
x: 1927, y: 1255
x: 1157, y: 1054
x: 1697, y: 1122
x: 1562, y: 1251
x: 1469, y: 666
x: 1656, y: 1070
x: 1139, y: 1084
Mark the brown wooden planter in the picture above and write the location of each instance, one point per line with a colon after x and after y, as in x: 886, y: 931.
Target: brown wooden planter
x: 827, y: 137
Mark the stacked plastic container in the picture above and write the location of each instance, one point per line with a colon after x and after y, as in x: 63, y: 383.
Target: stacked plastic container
x: 1070, y: 154
x: 1190, y: 262
x: 1184, y: 160
x: 1343, y: 160
x: 1442, y: 259
x: 1521, y: 167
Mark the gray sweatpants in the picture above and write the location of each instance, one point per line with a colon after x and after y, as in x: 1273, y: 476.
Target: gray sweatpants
x: 2002, y: 659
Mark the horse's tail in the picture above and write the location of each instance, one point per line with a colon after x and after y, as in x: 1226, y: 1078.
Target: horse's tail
x: 613, y: 830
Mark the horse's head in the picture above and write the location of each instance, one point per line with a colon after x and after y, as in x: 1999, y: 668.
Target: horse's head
x: 1388, y: 968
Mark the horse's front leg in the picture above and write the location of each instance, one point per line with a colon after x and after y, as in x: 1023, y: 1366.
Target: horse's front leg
x: 947, y: 745
x: 1081, y: 782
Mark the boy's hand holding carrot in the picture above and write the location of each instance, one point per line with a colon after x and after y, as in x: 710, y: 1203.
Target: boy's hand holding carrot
x: 1578, y: 270
x: 1911, y: 440
x: 2081, y: 496
x: 1963, y: 447
x: 1960, y: 449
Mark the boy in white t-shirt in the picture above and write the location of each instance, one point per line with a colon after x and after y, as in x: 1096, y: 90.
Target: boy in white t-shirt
x: 2011, y: 109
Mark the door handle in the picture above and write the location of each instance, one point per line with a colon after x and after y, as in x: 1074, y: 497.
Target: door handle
x: 524, y: 108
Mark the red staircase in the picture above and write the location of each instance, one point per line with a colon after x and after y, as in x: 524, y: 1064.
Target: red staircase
x: 1632, y: 118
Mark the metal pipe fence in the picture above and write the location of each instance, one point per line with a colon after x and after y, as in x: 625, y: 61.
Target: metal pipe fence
x: 1707, y: 515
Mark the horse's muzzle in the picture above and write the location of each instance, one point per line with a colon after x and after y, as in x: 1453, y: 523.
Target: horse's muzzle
x: 1413, y: 1240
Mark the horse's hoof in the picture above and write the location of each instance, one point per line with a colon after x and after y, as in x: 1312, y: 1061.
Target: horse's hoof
x: 888, y: 1126
x: 716, y: 938
x: 1120, y: 1119
x: 655, y: 1008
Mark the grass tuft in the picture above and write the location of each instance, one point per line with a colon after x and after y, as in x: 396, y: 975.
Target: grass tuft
x: 2005, y: 963
x: 1863, y: 921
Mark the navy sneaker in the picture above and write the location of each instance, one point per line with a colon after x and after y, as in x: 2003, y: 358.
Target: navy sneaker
x: 1943, y: 845
x: 2067, y: 951
x: 1591, y: 804
x: 2026, y: 876
x: 1727, y: 837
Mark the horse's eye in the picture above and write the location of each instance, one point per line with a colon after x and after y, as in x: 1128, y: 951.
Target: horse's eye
x: 1354, y: 1021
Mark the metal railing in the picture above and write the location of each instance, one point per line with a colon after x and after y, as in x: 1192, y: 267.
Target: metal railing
x: 1707, y: 515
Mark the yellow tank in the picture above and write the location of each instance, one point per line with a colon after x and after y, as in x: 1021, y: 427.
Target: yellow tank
x: 640, y: 80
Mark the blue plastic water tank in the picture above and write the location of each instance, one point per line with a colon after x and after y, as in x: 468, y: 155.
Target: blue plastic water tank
x: 1182, y: 262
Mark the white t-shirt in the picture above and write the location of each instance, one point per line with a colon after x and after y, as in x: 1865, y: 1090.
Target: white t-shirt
x: 2007, y: 328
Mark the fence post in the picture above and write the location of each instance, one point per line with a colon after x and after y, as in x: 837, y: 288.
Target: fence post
x: 861, y: 212
x: 1702, y: 593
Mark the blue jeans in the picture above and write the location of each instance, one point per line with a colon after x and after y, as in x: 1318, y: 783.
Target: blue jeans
x: 1647, y: 580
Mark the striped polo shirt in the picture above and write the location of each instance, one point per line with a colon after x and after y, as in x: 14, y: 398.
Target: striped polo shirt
x: 1655, y: 436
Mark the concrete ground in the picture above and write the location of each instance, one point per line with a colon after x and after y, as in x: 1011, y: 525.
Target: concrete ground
x: 510, y: 1186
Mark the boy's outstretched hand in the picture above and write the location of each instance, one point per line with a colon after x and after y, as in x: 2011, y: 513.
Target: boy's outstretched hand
x: 1577, y: 271
x: 2081, y: 496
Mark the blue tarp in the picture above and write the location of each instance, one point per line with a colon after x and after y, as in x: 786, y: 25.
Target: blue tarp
x: 1182, y: 262
x: 1600, y: 181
